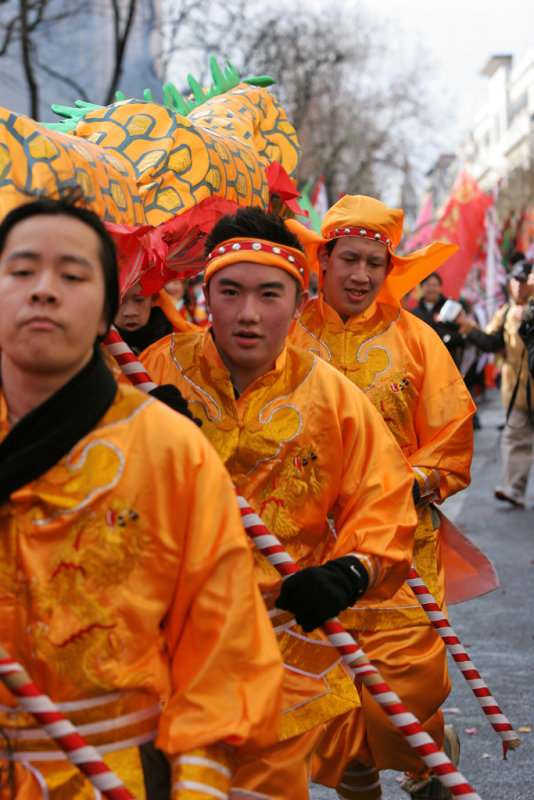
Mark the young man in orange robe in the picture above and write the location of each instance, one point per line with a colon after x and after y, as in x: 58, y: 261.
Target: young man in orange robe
x: 358, y: 325
x: 126, y: 578
x: 306, y: 449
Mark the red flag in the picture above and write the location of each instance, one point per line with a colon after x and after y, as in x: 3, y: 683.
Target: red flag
x: 469, y: 573
x: 462, y: 223
x: 525, y: 235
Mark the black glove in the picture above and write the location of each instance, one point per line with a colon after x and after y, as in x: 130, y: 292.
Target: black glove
x: 316, y: 594
x: 172, y: 397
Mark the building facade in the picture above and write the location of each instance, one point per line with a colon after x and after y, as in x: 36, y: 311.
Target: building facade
x: 500, y: 146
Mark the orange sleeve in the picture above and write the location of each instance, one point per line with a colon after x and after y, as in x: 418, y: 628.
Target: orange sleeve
x: 374, y: 514
x: 443, y: 424
x: 178, y: 322
x: 155, y: 360
x: 226, y: 667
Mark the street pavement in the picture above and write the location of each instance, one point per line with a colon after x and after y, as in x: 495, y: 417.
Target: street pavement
x: 496, y: 629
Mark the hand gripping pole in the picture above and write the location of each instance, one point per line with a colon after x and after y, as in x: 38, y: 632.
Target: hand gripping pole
x: 138, y: 376
x: 359, y: 665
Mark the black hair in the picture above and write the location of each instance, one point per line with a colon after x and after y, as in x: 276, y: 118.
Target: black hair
x: 66, y: 206
x: 516, y: 256
x: 432, y: 275
x: 251, y: 222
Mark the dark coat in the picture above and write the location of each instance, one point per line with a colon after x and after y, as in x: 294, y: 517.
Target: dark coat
x: 448, y: 332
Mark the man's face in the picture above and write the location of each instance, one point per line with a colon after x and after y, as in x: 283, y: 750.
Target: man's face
x: 354, y: 273
x: 252, y: 307
x: 520, y: 290
x: 51, y: 297
x: 431, y: 290
x: 134, y: 310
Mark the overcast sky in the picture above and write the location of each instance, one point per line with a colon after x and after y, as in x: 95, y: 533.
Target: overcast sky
x: 460, y: 36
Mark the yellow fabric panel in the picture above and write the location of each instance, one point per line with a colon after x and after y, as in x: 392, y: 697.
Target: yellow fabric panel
x: 64, y: 781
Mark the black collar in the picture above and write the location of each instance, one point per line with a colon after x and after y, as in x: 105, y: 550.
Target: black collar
x: 43, y: 436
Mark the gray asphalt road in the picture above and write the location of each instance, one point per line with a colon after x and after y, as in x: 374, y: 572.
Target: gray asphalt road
x: 497, y: 630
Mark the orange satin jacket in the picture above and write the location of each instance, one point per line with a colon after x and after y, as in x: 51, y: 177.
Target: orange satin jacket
x: 406, y: 372
x: 126, y: 579
x: 307, y: 452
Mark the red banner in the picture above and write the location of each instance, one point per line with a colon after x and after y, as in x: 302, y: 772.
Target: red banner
x: 469, y: 573
x: 463, y: 224
x: 525, y: 237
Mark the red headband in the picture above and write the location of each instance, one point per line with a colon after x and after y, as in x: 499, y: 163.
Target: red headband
x: 260, y: 251
x: 363, y: 232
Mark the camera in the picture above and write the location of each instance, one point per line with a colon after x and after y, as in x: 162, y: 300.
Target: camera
x: 449, y: 311
x: 528, y: 314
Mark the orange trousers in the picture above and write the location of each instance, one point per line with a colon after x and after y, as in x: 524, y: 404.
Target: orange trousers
x: 413, y: 662
x: 282, y: 771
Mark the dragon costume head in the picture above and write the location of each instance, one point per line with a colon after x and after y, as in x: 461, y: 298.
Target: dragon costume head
x: 159, y: 175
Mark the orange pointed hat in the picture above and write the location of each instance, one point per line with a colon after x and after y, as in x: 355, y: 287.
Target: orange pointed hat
x: 358, y: 215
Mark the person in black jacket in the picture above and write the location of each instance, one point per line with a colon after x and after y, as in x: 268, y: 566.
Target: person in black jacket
x: 428, y: 308
x: 430, y: 304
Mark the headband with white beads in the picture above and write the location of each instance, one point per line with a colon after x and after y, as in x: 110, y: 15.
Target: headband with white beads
x: 259, y: 251
x: 362, y: 232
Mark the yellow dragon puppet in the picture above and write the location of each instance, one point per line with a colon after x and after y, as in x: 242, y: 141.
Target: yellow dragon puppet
x: 158, y: 174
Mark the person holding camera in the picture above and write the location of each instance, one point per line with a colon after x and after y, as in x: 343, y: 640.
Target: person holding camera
x: 506, y: 331
x: 526, y: 329
x: 428, y: 309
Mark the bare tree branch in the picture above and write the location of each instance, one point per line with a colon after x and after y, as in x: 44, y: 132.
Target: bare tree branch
x: 358, y: 115
x: 120, y: 41
x: 8, y: 34
x: 27, y: 58
x: 80, y: 92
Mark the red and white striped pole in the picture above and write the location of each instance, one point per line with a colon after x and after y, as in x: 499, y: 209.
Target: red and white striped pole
x: 357, y: 661
x: 127, y: 361
x: 137, y: 373
x: 77, y: 750
x: 458, y: 652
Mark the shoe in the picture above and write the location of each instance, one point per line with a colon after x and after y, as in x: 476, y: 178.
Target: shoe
x: 431, y: 788
x: 509, y: 497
